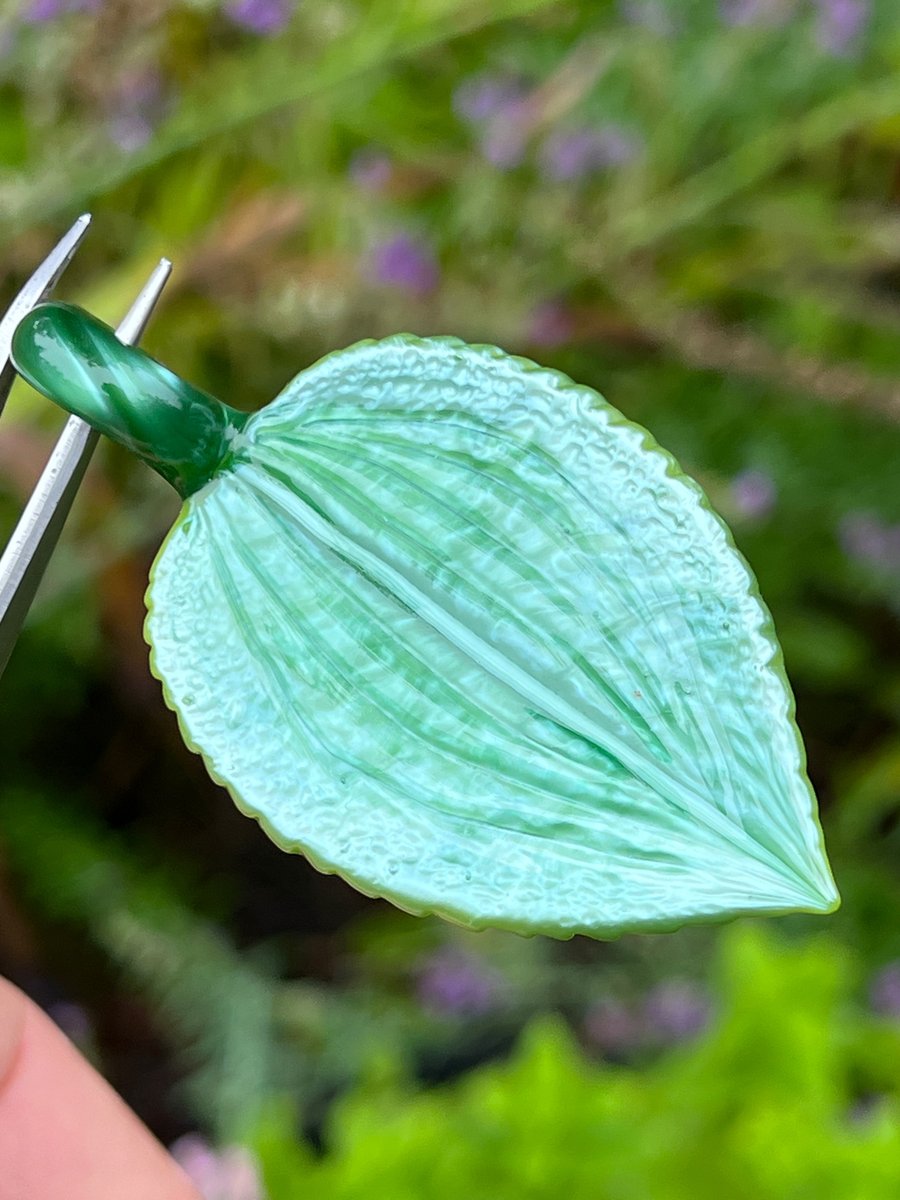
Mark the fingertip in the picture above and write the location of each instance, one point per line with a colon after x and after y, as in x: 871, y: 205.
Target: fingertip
x: 13, y: 1006
x: 64, y: 1133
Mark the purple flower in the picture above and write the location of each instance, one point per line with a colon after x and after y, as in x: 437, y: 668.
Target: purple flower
x: 44, y: 10
x: 481, y: 97
x: 130, y: 130
x: 884, y: 991
x: 406, y: 264
x: 550, y: 324
x: 612, y: 1026
x: 73, y: 1020
x: 370, y: 169
x: 505, y: 137
x: 452, y: 983
x: 753, y: 494
x: 39, y: 11
x: 498, y: 106
x: 676, y: 1010
x: 756, y: 12
x: 569, y: 154
x: 870, y: 541
x: 265, y: 17
x: 228, y: 1174
x: 840, y: 24
x: 649, y: 14
x: 140, y: 103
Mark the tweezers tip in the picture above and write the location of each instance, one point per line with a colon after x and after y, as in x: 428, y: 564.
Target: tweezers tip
x: 133, y: 323
x: 69, y: 243
x: 159, y: 277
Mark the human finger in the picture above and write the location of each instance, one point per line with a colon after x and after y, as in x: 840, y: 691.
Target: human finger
x: 64, y: 1133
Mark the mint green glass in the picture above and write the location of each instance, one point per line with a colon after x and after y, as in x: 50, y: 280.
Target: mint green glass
x: 449, y: 625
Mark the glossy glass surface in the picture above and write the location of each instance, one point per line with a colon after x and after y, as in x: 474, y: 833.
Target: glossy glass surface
x: 78, y: 361
x: 449, y: 625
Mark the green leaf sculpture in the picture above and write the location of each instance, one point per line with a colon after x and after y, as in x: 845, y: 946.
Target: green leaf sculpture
x: 452, y: 627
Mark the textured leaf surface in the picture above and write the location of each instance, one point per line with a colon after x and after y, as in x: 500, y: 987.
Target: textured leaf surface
x: 451, y: 626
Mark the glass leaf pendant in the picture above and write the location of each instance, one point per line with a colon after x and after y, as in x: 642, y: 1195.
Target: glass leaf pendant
x: 449, y: 625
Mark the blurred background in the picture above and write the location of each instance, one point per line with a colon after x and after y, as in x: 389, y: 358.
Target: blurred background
x: 693, y: 207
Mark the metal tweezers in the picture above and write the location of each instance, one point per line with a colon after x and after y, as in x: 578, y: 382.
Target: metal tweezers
x: 25, y: 558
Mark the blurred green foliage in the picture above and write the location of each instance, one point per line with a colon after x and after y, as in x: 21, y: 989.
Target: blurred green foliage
x: 793, y: 1093
x: 692, y: 207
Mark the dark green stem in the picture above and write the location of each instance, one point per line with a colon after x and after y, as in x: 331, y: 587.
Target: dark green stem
x: 183, y: 433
